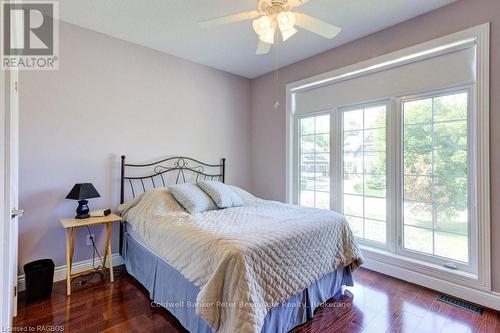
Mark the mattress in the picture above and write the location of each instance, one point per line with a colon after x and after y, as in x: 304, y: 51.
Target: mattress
x: 129, y: 229
x: 169, y: 289
x: 244, y: 260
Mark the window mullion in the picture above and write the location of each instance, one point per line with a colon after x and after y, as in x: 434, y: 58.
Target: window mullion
x: 336, y: 164
x: 433, y: 175
x: 363, y: 172
x: 315, y: 152
x: 398, y: 176
x: 298, y: 151
x: 393, y: 175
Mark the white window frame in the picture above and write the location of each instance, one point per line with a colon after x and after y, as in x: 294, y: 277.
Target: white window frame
x: 296, y: 183
x: 471, y: 267
x: 415, y: 270
x: 394, y: 180
x: 389, y: 184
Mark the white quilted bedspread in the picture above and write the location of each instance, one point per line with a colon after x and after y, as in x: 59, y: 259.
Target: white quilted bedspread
x: 245, y: 260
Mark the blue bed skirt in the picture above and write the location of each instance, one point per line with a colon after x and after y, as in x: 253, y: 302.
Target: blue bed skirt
x: 171, y: 290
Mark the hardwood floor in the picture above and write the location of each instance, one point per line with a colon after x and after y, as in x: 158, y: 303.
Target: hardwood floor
x: 380, y: 304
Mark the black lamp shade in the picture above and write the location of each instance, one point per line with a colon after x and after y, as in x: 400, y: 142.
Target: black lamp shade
x: 83, y: 191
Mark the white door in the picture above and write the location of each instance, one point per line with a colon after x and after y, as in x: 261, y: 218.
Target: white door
x: 11, y: 211
x: 4, y: 216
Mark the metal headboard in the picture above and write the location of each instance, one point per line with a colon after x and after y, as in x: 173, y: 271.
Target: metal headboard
x: 172, y: 170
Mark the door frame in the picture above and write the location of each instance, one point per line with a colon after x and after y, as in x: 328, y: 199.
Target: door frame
x: 9, y: 189
x: 3, y: 90
x: 9, y: 165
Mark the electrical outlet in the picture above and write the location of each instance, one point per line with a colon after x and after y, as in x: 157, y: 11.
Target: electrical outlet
x: 89, y: 241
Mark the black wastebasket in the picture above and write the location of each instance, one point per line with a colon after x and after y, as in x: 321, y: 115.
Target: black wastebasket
x: 39, y: 276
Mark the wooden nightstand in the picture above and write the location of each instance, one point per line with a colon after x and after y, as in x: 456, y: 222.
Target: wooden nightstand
x: 71, y: 224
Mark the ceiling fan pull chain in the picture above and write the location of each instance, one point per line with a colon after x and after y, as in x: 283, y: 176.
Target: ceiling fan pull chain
x: 276, y: 72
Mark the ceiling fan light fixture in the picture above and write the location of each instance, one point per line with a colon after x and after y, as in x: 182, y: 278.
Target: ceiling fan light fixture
x: 276, y: 14
x: 265, y: 28
x: 262, y: 25
x: 268, y: 36
x: 288, y: 33
x: 286, y: 20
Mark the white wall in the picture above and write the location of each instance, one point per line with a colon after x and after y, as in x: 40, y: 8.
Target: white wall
x: 108, y: 98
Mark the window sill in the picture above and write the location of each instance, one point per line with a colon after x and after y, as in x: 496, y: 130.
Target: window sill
x: 375, y: 255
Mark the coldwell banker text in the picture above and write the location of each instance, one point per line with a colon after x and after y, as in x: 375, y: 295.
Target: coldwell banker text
x: 30, y: 35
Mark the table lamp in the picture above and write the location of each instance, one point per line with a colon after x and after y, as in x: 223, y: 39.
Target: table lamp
x: 81, y: 192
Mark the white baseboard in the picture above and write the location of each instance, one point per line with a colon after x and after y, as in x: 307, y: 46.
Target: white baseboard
x: 487, y: 299
x: 60, y: 271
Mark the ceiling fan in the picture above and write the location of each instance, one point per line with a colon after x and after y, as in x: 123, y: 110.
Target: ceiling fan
x: 272, y: 14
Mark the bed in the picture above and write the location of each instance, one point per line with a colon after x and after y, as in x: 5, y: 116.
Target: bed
x: 262, y: 267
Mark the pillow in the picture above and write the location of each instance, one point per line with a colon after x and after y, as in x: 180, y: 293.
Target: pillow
x: 244, y: 195
x: 167, y: 201
x: 152, y: 202
x: 221, y: 194
x: 192, y: 198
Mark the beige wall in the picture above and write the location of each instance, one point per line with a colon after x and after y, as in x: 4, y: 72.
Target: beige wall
x: 268, y: 125
x: 111, y: 97
x: 108, y: 98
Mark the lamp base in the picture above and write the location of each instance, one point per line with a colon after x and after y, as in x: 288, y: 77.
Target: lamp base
x: 82, y: 211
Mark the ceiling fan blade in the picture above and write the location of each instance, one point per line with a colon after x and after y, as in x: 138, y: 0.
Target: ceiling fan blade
x: 296, y: 3
x: 317, y: 26
x: 228, y: 19
x: 263, y: 48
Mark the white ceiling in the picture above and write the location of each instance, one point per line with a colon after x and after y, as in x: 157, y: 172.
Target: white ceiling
x: 171, y: 26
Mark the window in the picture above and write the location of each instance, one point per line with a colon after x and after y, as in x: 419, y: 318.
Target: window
x: 314, y: 160
x: 418, y: 145
x: 420, y: 199
x: 364, y: 171
x: 435, y: 176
